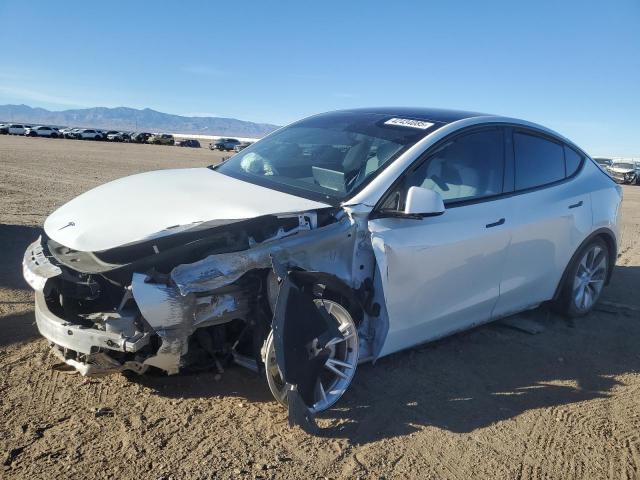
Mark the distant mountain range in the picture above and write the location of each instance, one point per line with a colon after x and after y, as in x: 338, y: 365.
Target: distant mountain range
x: 131, y: 119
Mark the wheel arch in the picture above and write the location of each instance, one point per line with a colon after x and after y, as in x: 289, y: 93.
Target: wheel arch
x: 609, y: 238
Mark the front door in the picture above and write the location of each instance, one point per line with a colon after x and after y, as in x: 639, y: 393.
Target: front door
x: 442, y: 274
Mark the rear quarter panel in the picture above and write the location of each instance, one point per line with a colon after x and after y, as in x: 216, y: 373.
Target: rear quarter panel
x: 606, y: 199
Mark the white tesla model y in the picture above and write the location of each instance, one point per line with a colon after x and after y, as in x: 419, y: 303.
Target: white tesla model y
x: 336, y: 240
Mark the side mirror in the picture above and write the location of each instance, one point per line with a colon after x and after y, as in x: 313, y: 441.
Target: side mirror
x: 423, y: 202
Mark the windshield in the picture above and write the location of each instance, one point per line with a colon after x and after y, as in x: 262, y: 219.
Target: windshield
x: 328, y: 156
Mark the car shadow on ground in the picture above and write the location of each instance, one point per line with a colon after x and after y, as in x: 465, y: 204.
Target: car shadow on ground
x: 474, y: 379
x: 236, y: 381
x: 14, y: 240
x: 16, y: 314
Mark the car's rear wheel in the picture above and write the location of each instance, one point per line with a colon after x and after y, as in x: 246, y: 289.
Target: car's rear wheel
x: 585, y: 279
x: 339, y: 368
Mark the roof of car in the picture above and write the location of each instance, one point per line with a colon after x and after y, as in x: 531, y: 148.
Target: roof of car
x: 432, y: 114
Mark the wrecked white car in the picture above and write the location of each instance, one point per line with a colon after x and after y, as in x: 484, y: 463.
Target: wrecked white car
x: 333, y: 241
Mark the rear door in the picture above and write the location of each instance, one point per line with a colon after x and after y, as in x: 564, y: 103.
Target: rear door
x: 442, y: 274
x: 553, y: 218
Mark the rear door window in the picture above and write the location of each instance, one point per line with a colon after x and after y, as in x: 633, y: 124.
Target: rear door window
x: 538, y: 161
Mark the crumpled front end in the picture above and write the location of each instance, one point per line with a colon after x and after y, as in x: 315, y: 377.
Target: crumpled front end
x: 93, y: 342
x: 624, y: 173
x: 197, y: 302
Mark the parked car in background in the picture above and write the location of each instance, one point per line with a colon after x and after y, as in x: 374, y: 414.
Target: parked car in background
x: 114, y: 136
x: 111, y: 133
x: 42, y: 131
x: 362, y: 233
x: 603, y: 162
x: 241, y: 146
x: 625, y: 171
x: 70, y: 132
x: 139, y: 137
x: 16, y: 129
x: 4, y: 129
x: 161, y: 139
x: 224, y: 144
x: 88, y: 134
x: 188, y: 143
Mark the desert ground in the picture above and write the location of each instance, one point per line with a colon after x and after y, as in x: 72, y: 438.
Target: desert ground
x: 494, y: 402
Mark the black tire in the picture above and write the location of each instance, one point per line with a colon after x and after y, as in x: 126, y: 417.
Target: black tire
x: 568, y: 299
x: 54, y: 135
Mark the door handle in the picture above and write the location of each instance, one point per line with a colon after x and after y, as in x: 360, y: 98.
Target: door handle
x: 576, y: 205
x: 495, y: 224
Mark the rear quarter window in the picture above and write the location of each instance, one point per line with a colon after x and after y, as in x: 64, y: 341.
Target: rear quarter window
x: 538, y: 161
x: 573, y: 160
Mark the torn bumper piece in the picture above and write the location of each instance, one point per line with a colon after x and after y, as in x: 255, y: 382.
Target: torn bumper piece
x: 170, y: 315
x: 36, y: 268
x: 87, y: 343
x: 80, y: 338
x: 82, y: 347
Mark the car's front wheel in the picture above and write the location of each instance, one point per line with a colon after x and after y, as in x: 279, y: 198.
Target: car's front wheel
x: 339, y: 368
x: 585, y: 279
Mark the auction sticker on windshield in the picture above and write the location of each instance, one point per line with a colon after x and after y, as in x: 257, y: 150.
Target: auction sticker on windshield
x: 407, y: 122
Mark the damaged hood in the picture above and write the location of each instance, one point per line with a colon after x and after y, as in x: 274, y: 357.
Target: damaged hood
x: 155, y: 204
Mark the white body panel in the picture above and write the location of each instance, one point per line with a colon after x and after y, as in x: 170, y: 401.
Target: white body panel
x: 546, y: 226
x: 160, y: 203
x: 440, y: 274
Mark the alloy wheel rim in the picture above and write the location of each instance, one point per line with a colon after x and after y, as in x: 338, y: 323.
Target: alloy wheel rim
x: 339, y: 368
x: 590, y: 277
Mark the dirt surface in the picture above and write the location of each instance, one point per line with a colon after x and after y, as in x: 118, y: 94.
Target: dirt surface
x: 490, y: 403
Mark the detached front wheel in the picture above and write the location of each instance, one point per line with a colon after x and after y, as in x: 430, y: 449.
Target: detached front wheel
x: 339, y: 368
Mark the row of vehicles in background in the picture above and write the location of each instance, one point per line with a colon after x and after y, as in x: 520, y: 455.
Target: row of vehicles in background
x: 222, y: 144
x: 622, y: 170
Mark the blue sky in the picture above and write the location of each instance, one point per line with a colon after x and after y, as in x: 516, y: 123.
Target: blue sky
x: 571, y: 65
